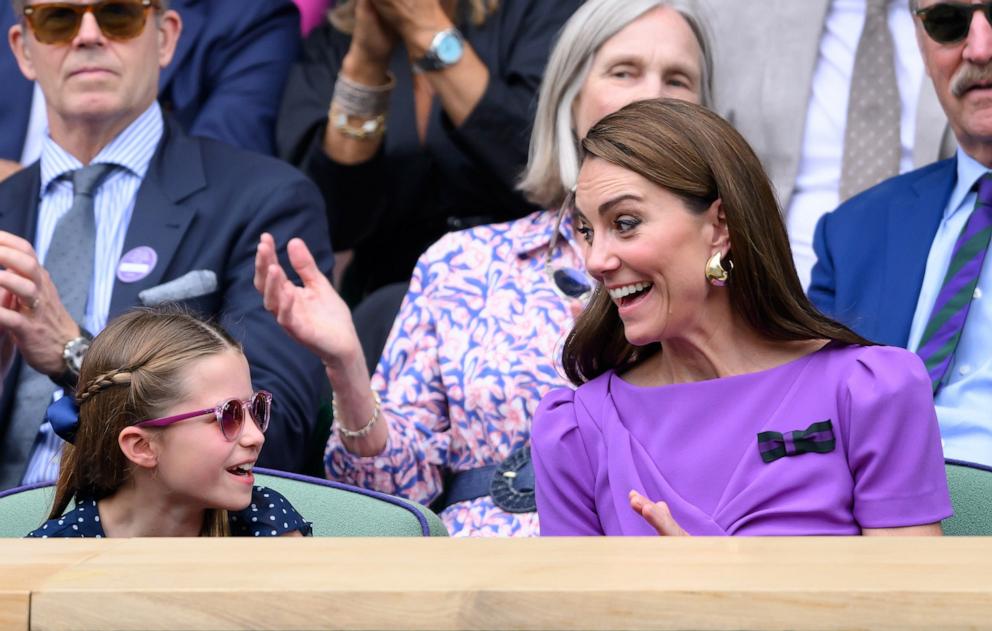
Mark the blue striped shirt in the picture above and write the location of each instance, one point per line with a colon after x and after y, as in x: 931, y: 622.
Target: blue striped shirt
x: 131, y: 151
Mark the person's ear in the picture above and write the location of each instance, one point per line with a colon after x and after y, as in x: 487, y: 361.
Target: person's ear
x: 720, y: 240
x: 170, y: 27
x: 139, y: 447
x: 16, y: 37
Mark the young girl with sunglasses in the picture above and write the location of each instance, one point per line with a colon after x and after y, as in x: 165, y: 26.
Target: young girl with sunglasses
x: 164, y: 432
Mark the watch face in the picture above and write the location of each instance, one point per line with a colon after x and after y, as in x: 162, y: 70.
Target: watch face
x: 449, y: 49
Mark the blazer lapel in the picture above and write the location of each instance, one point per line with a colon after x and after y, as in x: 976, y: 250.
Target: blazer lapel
x: 788, y: 79
x: 160, y: 219
x: 22, y: 186
x: 914, y: 215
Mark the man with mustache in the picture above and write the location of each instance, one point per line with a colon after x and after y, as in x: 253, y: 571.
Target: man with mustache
x: 124, y: 208
x: 905, y: 262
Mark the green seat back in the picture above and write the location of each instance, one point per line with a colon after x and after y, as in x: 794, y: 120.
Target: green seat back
x: 336, y: 510
x: 25, y: 508
x: 971, y: 494
x: 339, y: 510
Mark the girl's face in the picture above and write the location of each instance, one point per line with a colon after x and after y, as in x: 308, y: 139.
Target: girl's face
x: 655, y: 56
x: 198, y: 465
x: 649, y: 251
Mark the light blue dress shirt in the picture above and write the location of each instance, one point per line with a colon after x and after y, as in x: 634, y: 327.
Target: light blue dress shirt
x: 964, y: 403
x: 132, y: 152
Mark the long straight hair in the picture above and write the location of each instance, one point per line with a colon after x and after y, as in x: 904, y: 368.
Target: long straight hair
x: 553, y: 162
x: 134, y: 370
x: 699, y: 157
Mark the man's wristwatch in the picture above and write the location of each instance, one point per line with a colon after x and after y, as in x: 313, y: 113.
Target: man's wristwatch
x: 446, y: 50
x: 72, y: 356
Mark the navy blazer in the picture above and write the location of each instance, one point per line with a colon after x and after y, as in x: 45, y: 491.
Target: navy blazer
x: 225, y: 80
x: 203, y: 206
x: 872, y: 252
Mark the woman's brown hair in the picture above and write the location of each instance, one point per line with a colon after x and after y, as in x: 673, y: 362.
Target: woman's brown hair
x: 699, y: 157
x: 477, y: 11
x: 133, y: 371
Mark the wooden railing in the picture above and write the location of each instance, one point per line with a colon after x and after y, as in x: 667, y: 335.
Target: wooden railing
x: 439, y: 584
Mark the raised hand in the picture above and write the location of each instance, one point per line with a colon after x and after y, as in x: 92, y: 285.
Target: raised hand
x: 372, y: 41
x: 314, y: 314
x: 31, y: 313
x: 657, y: 515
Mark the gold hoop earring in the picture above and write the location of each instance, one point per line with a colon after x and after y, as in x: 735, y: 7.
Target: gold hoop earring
x: 716, y: 273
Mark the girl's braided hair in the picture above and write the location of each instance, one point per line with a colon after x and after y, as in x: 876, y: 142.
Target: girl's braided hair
x: 134, y: 370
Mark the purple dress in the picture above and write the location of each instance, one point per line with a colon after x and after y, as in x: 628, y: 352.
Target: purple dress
x: 839, y: 440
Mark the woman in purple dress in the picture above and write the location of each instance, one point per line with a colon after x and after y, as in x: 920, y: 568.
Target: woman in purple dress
x: 713, y: 398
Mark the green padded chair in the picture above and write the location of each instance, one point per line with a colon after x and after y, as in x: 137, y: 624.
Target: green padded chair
x: 336, y: 510
x: 971, y: 494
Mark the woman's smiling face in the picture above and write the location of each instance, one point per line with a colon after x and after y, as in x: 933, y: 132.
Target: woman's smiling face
x: 648, y: 249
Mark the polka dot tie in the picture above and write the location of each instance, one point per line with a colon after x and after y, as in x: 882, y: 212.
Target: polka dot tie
x: 871, y: 138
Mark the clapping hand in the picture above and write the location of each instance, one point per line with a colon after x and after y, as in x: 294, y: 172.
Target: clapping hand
x: 657, y: 514
x: 32, y: 316
x: 314, y: 314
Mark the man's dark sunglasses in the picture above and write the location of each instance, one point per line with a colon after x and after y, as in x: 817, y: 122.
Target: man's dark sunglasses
x: 949, y: 22
x: 59, y: 22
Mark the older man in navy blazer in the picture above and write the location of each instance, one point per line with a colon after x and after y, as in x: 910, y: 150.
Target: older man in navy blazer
x: 905, y: 262
x: 225, y: 81
x: 166, y: 205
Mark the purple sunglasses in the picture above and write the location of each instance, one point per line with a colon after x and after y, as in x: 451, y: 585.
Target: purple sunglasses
x: 230, y: 415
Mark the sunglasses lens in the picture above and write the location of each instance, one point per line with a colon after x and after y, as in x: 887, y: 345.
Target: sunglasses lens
x: 572, y: 282
x: 261, y: 408
x: 120, y: 19
x: 54, y: 24
x: 947, y: 23
x: 232, y: 417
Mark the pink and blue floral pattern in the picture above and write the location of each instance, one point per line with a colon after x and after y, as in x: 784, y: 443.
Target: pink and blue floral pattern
x: 475, y: 347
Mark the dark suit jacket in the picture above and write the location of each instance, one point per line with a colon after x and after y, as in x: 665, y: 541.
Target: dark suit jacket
x: 872, y: 252
x: 225, y: 80
x: 203, y: 206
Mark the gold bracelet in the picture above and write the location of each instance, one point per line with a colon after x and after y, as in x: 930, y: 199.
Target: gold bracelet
x: 369, y: 129
x: 358, y: 433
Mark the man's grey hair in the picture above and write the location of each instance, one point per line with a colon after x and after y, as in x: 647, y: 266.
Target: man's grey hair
x: 553, y: 163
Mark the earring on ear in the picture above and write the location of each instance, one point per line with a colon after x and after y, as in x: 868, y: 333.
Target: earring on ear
x: 715, y: 272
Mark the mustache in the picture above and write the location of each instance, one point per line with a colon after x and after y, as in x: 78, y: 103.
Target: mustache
x: 969, y: 76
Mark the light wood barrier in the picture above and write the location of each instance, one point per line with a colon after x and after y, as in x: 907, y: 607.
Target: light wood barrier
x: 440, y: 584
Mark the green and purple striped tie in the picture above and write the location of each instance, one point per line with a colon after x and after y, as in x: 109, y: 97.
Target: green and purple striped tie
x: 940, y: 338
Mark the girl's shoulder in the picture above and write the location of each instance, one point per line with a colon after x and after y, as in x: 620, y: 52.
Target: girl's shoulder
x: 269, y: 515
x: 82, y: 521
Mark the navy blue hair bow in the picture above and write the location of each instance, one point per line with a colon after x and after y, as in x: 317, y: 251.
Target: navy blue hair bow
x: 64, y: 417
x: 817, y: 438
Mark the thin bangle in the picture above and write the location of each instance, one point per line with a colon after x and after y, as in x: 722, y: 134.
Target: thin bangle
x: 358, y: 433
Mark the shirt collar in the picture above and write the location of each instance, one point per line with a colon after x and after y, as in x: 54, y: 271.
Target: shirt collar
x: 132, y: 149
x: 534, y: 232
x: 969, y: 172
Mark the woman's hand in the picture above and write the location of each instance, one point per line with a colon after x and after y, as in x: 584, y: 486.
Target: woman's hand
x: 372, y: 44
x: 416, y: 21
x: 314, y: 314
x: 656, y: 514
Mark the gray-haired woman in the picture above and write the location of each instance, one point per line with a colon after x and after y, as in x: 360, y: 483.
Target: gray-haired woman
x: 447, y: 416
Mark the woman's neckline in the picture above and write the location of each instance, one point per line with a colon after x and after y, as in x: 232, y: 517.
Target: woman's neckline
x: 829, y: 344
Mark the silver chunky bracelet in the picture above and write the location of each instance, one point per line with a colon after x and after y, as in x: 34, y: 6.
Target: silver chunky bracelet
x: 364, y: 431
x: 360, y: 100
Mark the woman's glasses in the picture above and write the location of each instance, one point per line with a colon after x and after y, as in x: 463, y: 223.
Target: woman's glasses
x: 949, y: 22
x: 59, y: 22
x: 230, y: 415
x: 567, y: 281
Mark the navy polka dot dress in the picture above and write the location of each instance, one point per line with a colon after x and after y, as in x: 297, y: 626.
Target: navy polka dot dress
x: 269, y: 515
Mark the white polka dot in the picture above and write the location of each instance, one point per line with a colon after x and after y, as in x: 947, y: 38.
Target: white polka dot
x: 265, y: 495
x: 80, y: 520
x: 285, y: 525
x: 254, y: 518
x: 97, y: 518
x: 274, y: 532
x: 257, y: 534
x: 45, y: 527
x: 272, y: 517
x: 75, y: 527
x: 272, y: 505
x: 60, y: 522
